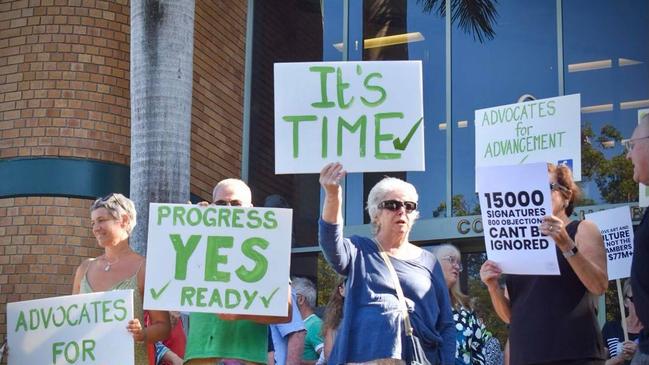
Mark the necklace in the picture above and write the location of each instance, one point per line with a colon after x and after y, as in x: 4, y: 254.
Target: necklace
x: 108, y: 263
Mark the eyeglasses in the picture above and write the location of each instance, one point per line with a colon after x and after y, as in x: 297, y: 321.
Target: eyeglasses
x: 394, y: 205
x: 454, y: 261
x: 110, y: 196
x: 557, y: 187
x: 233, y: 203
x: 629, y: 143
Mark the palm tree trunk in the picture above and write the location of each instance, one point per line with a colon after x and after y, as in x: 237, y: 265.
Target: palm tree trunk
x: 162, y: 42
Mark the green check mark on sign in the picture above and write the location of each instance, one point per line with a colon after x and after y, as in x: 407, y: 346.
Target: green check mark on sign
x: 157, y: 294
x: 401, y: 145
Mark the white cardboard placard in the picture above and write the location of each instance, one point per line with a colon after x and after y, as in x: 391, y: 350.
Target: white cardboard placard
x: 366, y: 115
x: 617, y: 231
x: 218, y: 259
x: 513, y: 201
x: 79, y: 329
x: 544, y: 130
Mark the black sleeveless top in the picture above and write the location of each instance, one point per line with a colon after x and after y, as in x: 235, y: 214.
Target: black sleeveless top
x: 553, y: 317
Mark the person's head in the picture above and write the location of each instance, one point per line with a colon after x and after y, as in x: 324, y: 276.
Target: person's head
x: 638, y: 151
x: 451, y: 264
x: 305, y: 292
x: 563, y: 189
x: 113, y: 218
x: 334, y: 310
x: 627, y: 293
x: 392, y: 204
x: 232, y: 192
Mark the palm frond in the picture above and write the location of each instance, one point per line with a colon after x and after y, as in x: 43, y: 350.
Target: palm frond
x: 476, y: 17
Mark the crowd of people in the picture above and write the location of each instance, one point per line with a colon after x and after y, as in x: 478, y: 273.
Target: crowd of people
x: 397, y: 303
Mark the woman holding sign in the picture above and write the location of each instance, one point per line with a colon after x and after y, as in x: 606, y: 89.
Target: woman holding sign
x: 375, y: 321
x: 620, y: 351
x: 553, y: 318
x: 113, y: 218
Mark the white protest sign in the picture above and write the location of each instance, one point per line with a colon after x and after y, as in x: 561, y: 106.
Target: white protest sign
x: 617, y: 230
x: 74, y: 329
x: 366, y: 115
x: 545, y: 130
x: 218, y: 259
x: 513, y: 200
x: 643, y: 195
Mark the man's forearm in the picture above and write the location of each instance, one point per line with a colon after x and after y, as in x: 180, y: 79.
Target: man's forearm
x: 295, y: 348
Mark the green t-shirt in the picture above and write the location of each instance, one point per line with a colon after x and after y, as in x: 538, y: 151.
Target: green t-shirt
x: 209, y: 336
x: 313, y: 341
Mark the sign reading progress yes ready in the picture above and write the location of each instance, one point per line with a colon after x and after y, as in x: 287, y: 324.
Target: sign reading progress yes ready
x: 367, y: 115
x: 545, y: 130
x: 218, y: 259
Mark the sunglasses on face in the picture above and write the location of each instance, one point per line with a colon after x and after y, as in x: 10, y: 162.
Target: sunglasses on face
x: 558, y: 187
x: 394, y: 205
x: 233, y: 203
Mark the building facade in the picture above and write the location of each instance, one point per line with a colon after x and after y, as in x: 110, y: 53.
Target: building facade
x: 65, y: 116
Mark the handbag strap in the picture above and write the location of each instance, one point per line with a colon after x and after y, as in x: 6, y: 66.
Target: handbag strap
x: 397, y: 286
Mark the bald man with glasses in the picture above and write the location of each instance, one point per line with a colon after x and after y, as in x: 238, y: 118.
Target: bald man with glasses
x: 638, y: 152
x: 229, y: 339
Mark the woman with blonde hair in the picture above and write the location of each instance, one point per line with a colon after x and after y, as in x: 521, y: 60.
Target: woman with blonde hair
x: 119, y: 267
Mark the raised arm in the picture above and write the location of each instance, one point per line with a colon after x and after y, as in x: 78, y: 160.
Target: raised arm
x: 590, y: 262
x: 330, y: 176
x: 489, y: 274
x: 337, y: 250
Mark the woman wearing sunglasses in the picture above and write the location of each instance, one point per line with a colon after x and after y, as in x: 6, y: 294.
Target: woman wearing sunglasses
x: 119, y: 267
x: 372, y: 327
x: 552, y: 318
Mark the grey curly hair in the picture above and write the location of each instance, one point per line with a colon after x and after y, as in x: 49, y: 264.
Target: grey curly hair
x: 383, y: 188
x: 118, y: 205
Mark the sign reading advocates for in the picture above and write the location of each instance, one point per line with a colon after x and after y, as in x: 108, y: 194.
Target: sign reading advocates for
x: 546, y: 130
x: 617, y: 230
x: 643, y: 195
x: 217, y: 259
x: 514, y: 200
x: 74, y: 329
x: 366, y: 115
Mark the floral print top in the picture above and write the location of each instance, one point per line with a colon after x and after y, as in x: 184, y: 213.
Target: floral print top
x: 470, y: 339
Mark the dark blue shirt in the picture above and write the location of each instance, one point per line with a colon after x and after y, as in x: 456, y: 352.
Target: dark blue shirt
x: 372, y: 325
x: 640, y: 278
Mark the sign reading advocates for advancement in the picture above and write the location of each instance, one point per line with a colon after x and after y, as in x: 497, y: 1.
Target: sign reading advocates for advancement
x: 74, y: 329
x: 218, y: 259
x: 514, y: 200
x: 546, y: 130
x: 617, y: 230
x: 367, y: 115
